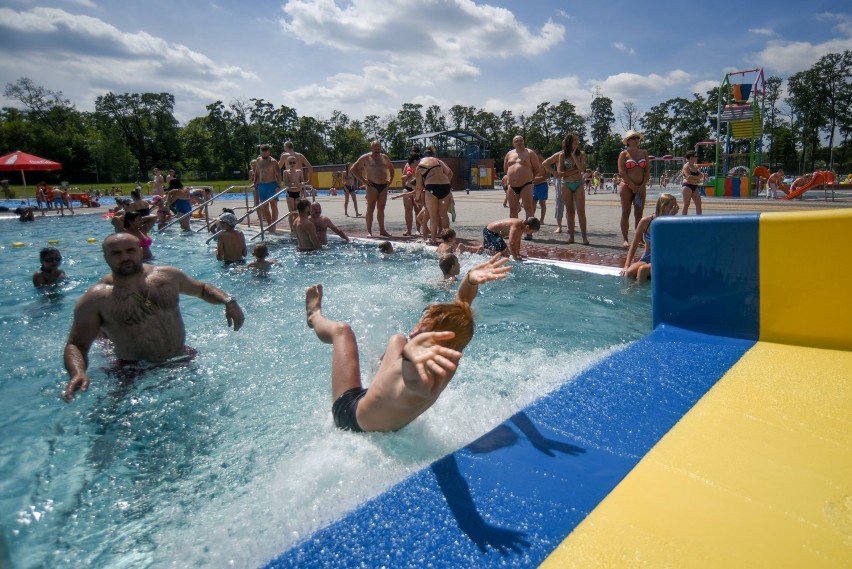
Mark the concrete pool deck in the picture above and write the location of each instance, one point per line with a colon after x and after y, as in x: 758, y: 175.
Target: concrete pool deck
x: 603, y: 210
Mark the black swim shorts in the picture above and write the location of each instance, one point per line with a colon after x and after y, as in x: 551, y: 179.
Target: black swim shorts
x: 344, y: 408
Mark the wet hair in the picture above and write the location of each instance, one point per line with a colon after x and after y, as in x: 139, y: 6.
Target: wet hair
x: 663, y: 201
x: 261, y: 251
x: 303, y: 205
x: 448, y: 233
x: 690, y: 154
x: 386, y: 247
x: 453, y: 317
x: 533, y: 223
x: 47, y: 251
x: 175, y: 184
x: 566, y: 142
x: 446, y: 262
x: 130, y: 217
x: 264, y: 147
x: 430, y: 151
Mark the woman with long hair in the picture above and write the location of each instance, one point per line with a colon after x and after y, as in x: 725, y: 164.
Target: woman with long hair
x: 569, y: 169
x: 634, y: 168
x: 412, y: 199
x: 641, y: 269
x: 350, y: 188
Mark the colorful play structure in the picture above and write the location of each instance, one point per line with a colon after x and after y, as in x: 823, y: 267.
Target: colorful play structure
x: 739, y: 115
x: 721, y: 439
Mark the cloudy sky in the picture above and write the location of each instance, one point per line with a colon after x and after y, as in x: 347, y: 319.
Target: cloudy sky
x: 370, y: 56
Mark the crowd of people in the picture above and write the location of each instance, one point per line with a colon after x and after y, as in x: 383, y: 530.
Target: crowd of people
x: 137, y: 298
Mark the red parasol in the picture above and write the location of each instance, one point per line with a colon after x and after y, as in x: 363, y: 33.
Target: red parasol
x: 22, y: 161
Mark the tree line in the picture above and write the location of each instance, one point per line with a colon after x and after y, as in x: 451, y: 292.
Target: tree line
x: 807, y: 125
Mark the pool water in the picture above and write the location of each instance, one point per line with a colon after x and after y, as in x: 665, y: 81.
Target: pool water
x: 229, y: 459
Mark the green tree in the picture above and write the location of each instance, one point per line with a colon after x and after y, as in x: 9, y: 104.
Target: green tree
x: 772, y: 118
x: 435, y: 121
x: 601, y: 121
x: 147, y: 124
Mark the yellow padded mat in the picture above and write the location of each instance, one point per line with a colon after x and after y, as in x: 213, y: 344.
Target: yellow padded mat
x: 757, y: 474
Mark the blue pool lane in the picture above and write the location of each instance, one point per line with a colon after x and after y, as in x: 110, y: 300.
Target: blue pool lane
x: 509, y: 498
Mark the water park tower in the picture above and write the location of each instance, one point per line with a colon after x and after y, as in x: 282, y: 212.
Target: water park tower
x: 739, y: 119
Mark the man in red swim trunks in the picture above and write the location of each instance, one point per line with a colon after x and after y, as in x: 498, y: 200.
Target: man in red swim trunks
x: 378, y: 176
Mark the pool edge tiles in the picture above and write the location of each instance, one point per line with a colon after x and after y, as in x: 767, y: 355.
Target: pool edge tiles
x: 757, y: 474
x: 512, y: 496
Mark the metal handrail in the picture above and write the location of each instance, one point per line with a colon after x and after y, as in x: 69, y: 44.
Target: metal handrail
x: 199, y: 207
x: 251, y: 210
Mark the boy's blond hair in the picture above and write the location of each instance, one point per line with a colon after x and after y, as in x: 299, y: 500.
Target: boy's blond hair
x: 451, y: 317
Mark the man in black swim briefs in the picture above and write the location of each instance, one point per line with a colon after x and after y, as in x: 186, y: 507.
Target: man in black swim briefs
x: 522, y: 167
x: 414, y: 371
x: 376, y: 170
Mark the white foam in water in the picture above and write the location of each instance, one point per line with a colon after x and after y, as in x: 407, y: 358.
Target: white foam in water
x: 232, y: 458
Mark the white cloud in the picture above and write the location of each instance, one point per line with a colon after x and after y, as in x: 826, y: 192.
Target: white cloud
x: 703, y: 86
x: 93, y: 57
x: 626, y: 86
x: 762, y: 31
x: 791, y: 57
x: 409, y: 29
x: 841, y: 23
x: 621, y: 47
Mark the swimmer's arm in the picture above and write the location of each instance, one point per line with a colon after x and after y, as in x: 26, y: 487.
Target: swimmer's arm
x: 634, y: 245
x: 211, y: 294
x: 243, y: 240
x: 307, y: 165
x: 357, y: 167
x: 515, y: 234
x: 38, y: 279
x: 84, y: 330
x: 493, y: 269
x: 334, y: 228
x: 538, y: 170
x: 220, y: 250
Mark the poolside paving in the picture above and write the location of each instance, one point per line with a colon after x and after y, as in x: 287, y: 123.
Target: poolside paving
x: 475, y: 210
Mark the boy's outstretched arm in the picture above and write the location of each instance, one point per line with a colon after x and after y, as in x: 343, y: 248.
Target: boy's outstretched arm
x: 493, y: 269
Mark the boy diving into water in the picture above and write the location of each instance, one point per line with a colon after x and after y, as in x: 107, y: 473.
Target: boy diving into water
x: 414, y: 370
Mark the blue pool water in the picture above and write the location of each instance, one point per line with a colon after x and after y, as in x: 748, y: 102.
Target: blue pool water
x: 231, y: 458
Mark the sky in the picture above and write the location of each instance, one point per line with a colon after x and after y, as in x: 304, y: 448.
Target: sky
x: 368, y: 57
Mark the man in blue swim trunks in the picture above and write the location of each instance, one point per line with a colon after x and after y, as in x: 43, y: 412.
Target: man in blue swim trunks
x: 267, y: 180
x: 414, y: 370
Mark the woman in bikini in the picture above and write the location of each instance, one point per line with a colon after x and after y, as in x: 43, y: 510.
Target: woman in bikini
x: 350, y: 187
x: 691, y: 184
x: 433, y: 176
x: 641, y: 269
x: 412, y: 199
x: 634, y: 168
x: 570, y: 166
x: 139, y: 225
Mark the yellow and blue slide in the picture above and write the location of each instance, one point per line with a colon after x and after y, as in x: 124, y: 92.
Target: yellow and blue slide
x: 721, y: 439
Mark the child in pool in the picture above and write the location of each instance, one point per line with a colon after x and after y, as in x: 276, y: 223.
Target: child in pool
x: 641, y: 269
x: 414, y: 369
x: 49, y: 273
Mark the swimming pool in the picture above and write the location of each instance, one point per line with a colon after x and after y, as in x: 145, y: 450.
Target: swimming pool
x: 233, y: 456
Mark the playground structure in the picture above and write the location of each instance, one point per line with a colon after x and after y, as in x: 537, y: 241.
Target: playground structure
x: 739, y: 117
x: 465, y: 152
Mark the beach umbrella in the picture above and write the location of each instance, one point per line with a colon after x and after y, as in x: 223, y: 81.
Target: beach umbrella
x: 22, y: 161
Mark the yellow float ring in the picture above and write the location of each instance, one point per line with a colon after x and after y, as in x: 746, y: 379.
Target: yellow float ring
x: 92, y: 240
x: 53, y: 241
x: 18, y: 244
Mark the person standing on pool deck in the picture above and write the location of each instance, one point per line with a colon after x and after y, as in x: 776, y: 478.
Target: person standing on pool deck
x: 267, y: 180
x: 157, y: 182
x: 136, y: 305
x: 376, y: 170
x: 301, y: 162
x: 495, y: 233
x: 634, y: 168
x: 570, y: 166
x: 49, y: 273
x: 691, y: 185
x: 414, y: 370
x: 522, y: 167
